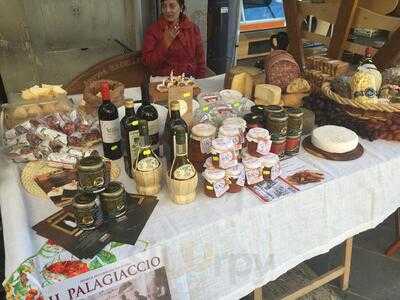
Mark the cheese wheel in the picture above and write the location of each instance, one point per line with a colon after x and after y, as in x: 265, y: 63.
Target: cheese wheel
x: 267, y: 94
x: 334, y: 139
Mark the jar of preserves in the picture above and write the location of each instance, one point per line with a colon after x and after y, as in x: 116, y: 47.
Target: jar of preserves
x: 92, y: 174
x: 200, y: 143
x: 293, y: 145
x: 236, y: 178
x: 259, y: 142
x: 278, y: 147
x: 295, y: 121
x: 223, y: 153
x: 113, y: 201
x: 215, y: 184
x: 234, y: 133
x: 253, y: 120
x: 237, y: 122
x: 88, y: 215
x: 253, y: 170
x: 270, y: 166
x: 277, y: 125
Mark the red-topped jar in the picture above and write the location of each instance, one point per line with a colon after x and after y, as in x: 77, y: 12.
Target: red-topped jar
x: 215, y: 184
x: 253, y: 170
x: 200, y: 143
x: 259, y: 142
x: 270, y: 166
x: 236, y: 177
x: 223, y: 153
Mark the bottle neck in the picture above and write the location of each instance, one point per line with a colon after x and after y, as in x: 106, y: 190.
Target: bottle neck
x: 129, y: 111
x: 181, y: 150
x: 175, y: 114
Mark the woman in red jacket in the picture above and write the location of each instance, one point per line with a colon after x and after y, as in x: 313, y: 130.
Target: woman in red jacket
x: 173, y: 43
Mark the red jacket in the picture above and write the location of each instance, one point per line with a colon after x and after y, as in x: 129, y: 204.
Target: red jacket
x: 185, y: 55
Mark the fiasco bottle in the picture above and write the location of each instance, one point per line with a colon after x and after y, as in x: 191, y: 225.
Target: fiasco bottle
x: 181, y: 168
x: 146, y: 160
x: 173, y: 121
x: 109, y: 125
x: 149, y: 113
x: 130, y: 136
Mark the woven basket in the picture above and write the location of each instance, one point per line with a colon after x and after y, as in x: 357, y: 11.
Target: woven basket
x: 91, y: 91
x: 182, y: 192
x: 148, y: 183
x: 380, y: 107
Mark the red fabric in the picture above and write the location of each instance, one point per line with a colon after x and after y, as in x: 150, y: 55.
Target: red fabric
x: 185, y: 54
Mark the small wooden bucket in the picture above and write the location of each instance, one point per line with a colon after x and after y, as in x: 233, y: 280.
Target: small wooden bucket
x: 148, y: 183
x: 182, y: 192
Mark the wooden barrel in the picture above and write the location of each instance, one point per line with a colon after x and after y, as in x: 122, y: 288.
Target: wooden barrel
x: 148, y: 183
x: 281, y: 69
x: 182, y: 192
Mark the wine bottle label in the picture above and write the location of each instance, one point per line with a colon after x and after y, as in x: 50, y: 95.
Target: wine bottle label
x: 254, y: 176
x: 110, y: 131
x: 184, y: 172
x: 148, y: 164
x: 154, y: 127
x: 134, y: 138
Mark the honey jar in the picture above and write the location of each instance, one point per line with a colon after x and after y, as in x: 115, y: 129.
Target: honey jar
x: 215, y: 184
x: 88, y: 215
x: 278, y: 147
x: 259, y: 142
x: 253, y: 170
x: 113, y: 201
x: 236, y: 178
x: 270, y: 166
x: 277, y: 125
x: 295, y: 121
x: 200, y: 143
x: 223, y: 153
x: 92, y: 174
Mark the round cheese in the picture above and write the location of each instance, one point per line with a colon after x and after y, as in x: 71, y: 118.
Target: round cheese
x: 334, y: 139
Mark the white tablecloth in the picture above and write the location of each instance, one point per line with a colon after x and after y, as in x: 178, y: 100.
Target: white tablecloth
x: 225, y: 248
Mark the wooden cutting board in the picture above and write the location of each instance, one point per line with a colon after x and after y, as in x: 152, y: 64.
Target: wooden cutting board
x: 348, y: 156
x: 382, y: 7
x: 162, y: 98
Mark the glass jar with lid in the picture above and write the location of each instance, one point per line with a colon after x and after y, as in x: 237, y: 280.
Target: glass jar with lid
x: 278, y: 147
x: 277, y: 125
x: 88, y: 215
x: 113, y: 201
x: 253, y: 170
x: 295, y: 121
x: 270, y: 166
x: 215, y: 184
x: 253, y: 120
x: 293, y: 145
x: 259, y: 142
x: 236, y: 178
x: 223, y: 153
x: 233, y: 132
x: 200, y: 143
x: 92, y: 174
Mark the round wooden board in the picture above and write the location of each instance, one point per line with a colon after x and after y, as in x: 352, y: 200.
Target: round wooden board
x: 348, y: 156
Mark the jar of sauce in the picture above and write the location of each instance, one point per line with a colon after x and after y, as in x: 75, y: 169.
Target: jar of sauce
x: 295, y: 121
x: 293, y: 145
x: 234, y: 133
x: 277, y: 125
x: 270, y: 166
x: 200, y: 142
x: 253, y: 170
x: 113, y: 201
x: 223, y: 153
x: 278, y: 147
x: 259, y: 142
x: 92, y: 174
x: 88, y: 215
x: 215, y: 184
x: 236, y: 178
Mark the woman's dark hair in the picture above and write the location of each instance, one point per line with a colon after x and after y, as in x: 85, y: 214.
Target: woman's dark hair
x: 180, y: 2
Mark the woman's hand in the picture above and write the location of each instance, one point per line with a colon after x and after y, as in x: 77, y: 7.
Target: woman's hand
x: 170, y: 34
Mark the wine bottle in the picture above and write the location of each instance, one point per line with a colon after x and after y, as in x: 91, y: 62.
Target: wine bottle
x: 174, y: 120
x: 130, y: 136
x: 109, y: 125
x: 181, y: 168
x: 146, y: 159
x: 149, y: 113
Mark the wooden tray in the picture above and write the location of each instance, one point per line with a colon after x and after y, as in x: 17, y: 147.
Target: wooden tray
x: 158, y: 97
x: 348, y: 156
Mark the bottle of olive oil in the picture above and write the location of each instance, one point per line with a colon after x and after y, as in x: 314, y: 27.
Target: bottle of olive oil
x: 146, y: 160
x: 181, y: 169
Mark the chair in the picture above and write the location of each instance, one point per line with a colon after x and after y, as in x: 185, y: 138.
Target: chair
x: 349, y: 14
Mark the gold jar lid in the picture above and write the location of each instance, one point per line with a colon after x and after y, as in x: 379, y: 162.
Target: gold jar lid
x: 278, y: 116
x: 84, y: 201
x: 91, y: 163
x: 113, y: 190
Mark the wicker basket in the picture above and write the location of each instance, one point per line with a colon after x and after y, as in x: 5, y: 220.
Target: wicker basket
x: 182, y: 192
x: 378, y: 107
x: 148, y: 183
x: 91, y: 91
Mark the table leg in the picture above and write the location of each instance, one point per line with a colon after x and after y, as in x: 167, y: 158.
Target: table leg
x: 344, y: 279
x: 257, y: 294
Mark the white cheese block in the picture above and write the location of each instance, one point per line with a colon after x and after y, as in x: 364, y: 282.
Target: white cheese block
x: 267, y: 94
x: 243, y: 83
x: 334, y: 139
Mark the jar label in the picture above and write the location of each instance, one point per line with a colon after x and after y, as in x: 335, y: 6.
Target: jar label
x: 263, y: 147
x: 254, y: 176
x: 205, y: 145
x: 275, y: 171
x: 241, y: 179
x: 227, y: 160
x: 148, y: 164
x: 134, y: 138
x: 110, y: 131
x: 184, y: 172
x: 220, y: 188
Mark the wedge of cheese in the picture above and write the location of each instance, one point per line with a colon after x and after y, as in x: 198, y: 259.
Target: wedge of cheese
x: 243, y: 83
x: 244, y: 79
x: 267, y: 94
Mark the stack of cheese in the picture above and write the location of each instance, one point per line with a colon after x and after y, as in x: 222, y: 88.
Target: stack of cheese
x: 45, y: 92
x: 244, y: 79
